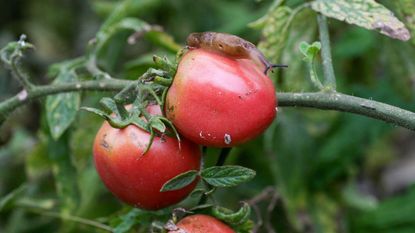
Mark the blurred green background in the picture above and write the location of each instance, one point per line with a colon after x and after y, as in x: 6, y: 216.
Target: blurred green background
x: 334, y: 172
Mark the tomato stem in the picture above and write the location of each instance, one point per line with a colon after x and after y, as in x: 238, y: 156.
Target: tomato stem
x: 224, y: 153
x: 329, y: 77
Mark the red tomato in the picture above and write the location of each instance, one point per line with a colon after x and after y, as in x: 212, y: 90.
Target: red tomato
x: 219, y: 101
x: 200, y: 223
x: 136, y: 178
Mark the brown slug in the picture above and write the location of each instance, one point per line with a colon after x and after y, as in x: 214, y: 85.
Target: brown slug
x: 230, y: 45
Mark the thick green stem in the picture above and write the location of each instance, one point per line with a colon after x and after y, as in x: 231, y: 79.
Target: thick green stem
x: 320, y: 100
x: 352, y: 104
x: 329, y: 77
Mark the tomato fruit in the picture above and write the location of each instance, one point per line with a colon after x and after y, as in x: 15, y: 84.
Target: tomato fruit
x: 137, y: 178
x: 219, y: 101
x: 200, y: 223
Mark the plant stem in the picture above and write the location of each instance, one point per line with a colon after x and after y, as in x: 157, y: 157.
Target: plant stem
x: 19, y: 75
x: 319, y: 100
x: 24, y: 97
x: 66, y: 217
x: 346, y: 103
x: 329, y: 77
x: 224, y: 152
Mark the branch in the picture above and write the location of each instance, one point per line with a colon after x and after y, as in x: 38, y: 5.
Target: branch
x: 319, y: 100
x: 329, y: 77
x: 9, y: 105
x: 347, y: 103
x: 66, y: 217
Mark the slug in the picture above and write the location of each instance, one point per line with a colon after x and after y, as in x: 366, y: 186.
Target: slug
x: 229, y: 45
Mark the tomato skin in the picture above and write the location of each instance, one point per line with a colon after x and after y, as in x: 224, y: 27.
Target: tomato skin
x: 136, y: 178
x: 219, y: 101
x: 200, y: 223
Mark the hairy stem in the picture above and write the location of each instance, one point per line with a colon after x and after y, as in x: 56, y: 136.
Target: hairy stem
x: 24, y: 97
x: 352, y: 104
x: 19, y: 75
x: 329, y: 77
x: 319, y: 100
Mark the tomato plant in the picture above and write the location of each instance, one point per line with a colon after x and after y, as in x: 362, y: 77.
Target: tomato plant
x: 200, y: 223
x: 219, y: 101
x: 307, y: 174
x: 137, y: 178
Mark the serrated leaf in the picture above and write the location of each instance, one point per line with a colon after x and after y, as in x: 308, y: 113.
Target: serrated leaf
x: 227, y: 176
x: 179, y: 181
x: 61, y: 109
x: 274, y: 27
x: 128, y: 221
x: 10, y: 198
x: 364, y: 13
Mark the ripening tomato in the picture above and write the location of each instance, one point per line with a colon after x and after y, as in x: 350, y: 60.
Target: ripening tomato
x: 220, y: 101
x: 136, y: 178
x: 200, y: 223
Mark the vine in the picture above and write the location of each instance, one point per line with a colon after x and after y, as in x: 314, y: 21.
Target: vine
x: 153, y: 85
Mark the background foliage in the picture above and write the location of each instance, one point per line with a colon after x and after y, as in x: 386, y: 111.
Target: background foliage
x: 334, y: 172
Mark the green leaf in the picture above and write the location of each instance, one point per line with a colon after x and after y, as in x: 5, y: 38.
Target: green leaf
x: 133, y: 24
x: 352, y: 197
x: 10, y: 198
x: 274, y: 27
x: 364, y: 13
x: 227, y: 176
x: 96, y: 111
x: 14, y: 49
x: 65, y: 173
x: 157, y: 124
x: 109, y: 106
x: 163, y: 40
x: 406, y: 9
x: 179, y: 181
x: 310, y: 51
x: 61, y: 109
x: 230, y: 217
x: 128, y: 221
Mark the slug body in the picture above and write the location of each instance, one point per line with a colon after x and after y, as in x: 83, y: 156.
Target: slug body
x: 230, y: 45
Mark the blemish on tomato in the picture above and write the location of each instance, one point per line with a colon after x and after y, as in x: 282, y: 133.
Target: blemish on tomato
x: 163, y: 138
x: 227, y: 139
x: 105, y: 144
x: 201, y: 135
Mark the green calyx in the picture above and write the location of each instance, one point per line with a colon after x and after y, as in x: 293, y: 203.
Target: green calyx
x: 130, y: 105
